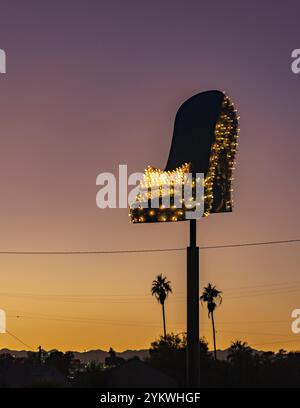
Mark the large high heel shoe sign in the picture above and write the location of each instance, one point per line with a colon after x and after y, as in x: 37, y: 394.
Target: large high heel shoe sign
x: 196, y: 181
x: 199, y: 169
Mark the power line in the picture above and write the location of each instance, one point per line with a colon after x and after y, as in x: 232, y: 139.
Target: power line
x: 256, y: 333
x: 131, y: 323
x: 29, y: 314
x: 70, y: 299
x: 250, y: 289
x: 141, y: 324
x: 19, y: 340
x: 89, y: 252
x: 267, y: 291
x: 92, y: 321
x: 275, y: 342
x: 245, y: 244
x: 137, y: 324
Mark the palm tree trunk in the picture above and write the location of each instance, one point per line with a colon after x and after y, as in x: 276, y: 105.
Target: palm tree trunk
x: 164, y: 320
x: 214, y: 334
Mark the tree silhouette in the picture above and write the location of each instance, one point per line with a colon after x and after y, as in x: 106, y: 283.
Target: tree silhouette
x: 238, y: 348
x: 243, y: 367
x: 161, y: 288
x: 243, y: 364
x: 240, y: 354
x: 61, y: 361
x: 169, y: 356
x: 212, y: 297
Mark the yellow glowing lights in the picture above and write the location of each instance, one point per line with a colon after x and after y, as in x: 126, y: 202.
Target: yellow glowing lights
x: 157, y: 185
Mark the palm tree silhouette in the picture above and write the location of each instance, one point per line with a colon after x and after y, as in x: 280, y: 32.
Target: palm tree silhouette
x: 240, y: 354
x: 239, y: 346
x: 212, y: 297
x: 161, y: 288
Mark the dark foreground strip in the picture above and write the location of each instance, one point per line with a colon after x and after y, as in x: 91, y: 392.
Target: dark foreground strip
x: 126, y: 397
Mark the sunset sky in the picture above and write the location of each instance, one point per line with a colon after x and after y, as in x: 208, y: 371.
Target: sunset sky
x: 91, y: 85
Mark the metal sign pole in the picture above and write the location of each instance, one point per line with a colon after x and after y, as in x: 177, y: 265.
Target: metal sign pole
x: 193, y: 345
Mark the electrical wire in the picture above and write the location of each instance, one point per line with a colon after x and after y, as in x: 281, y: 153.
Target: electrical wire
x: 19, y: 340
x: 245, y: 244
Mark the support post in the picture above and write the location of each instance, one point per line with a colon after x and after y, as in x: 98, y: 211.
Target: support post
x: 193, y: 345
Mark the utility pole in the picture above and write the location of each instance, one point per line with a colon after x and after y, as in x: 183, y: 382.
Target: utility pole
x: 40, y: 354
x: 193, y: 344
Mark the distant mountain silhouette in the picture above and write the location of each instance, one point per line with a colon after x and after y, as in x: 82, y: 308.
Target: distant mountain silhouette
x: 100, y: 355
x: 222, y: 354
x: 90, y: 355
